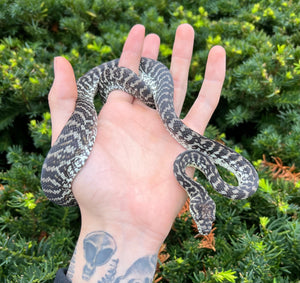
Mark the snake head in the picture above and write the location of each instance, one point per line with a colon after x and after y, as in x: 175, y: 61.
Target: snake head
x: 204, y: 214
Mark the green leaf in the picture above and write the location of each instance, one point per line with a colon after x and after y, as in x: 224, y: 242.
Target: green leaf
x: 224, y: 276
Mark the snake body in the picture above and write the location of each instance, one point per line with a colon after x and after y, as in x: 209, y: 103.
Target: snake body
x: 153, y: 86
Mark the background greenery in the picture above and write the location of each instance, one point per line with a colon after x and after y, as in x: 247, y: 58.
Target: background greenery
x: 255, y: 240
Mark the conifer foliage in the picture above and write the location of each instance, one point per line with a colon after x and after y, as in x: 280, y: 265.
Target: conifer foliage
x: 255, y: 240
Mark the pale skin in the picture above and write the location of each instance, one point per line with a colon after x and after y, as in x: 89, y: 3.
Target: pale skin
x: 127, y: 187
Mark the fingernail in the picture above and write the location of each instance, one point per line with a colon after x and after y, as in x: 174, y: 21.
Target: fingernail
x: 55, y: 63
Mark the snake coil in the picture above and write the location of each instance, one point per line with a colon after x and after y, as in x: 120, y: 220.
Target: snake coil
x: 153, y: 86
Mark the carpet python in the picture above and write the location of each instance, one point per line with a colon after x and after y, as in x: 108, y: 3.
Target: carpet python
x: 153, y: 86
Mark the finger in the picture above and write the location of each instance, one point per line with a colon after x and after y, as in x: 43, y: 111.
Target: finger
x: 151, y: 46
x: 209, y: 95
x: 180, y: 64
x: 62, y: 96
x: 150, y: 50
x: 130, y: 58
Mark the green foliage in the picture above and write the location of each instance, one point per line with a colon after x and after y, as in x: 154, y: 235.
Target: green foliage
x: 261, y: 39
x: 31, y: 246
x: 34, y: 260
x: 257, y: 240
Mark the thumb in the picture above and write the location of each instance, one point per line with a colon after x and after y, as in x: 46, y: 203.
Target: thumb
x: 62, y: 96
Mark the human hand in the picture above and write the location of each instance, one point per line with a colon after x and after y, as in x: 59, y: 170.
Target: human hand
x: 127, y: 187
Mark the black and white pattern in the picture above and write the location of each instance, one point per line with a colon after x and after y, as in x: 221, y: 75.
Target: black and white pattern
x: 153, y: 86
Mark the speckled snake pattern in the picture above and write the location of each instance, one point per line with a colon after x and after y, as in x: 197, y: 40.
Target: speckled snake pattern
x: 153, y: 86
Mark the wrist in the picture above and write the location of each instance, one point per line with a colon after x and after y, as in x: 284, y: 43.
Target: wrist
x: 113, y: 252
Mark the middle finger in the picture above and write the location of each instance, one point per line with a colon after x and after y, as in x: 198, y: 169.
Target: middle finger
x: 180, y: 63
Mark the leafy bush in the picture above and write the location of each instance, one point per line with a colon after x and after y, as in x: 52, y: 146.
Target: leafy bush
x: 255, y: 240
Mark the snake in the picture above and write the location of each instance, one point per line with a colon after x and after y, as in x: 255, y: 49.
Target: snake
x: 154, y: 86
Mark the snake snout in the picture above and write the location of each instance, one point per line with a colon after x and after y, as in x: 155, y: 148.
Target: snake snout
x: 205, y: 231
x: 204, y: 214
x: 204, y: 226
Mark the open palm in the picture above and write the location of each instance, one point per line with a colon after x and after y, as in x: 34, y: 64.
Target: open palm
x: 128, y: 179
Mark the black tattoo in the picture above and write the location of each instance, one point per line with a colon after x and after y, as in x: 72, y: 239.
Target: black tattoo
x: 99, y: 248
x: 71, y: 269
x: 143, y: 268
x: 110, y: 275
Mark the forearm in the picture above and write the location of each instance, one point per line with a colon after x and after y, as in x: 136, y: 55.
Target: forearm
x: 113, y: 254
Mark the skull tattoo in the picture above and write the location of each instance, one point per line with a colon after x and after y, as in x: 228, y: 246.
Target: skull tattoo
x: 98, y: 247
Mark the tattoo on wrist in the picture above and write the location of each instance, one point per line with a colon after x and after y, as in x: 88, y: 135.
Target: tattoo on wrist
x: 99, y: 248
x: 71, y: 269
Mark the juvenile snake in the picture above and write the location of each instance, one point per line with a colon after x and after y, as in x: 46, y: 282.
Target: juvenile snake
x: 153, y: 86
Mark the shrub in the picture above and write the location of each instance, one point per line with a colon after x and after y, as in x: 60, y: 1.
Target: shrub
x: 255, y: 240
